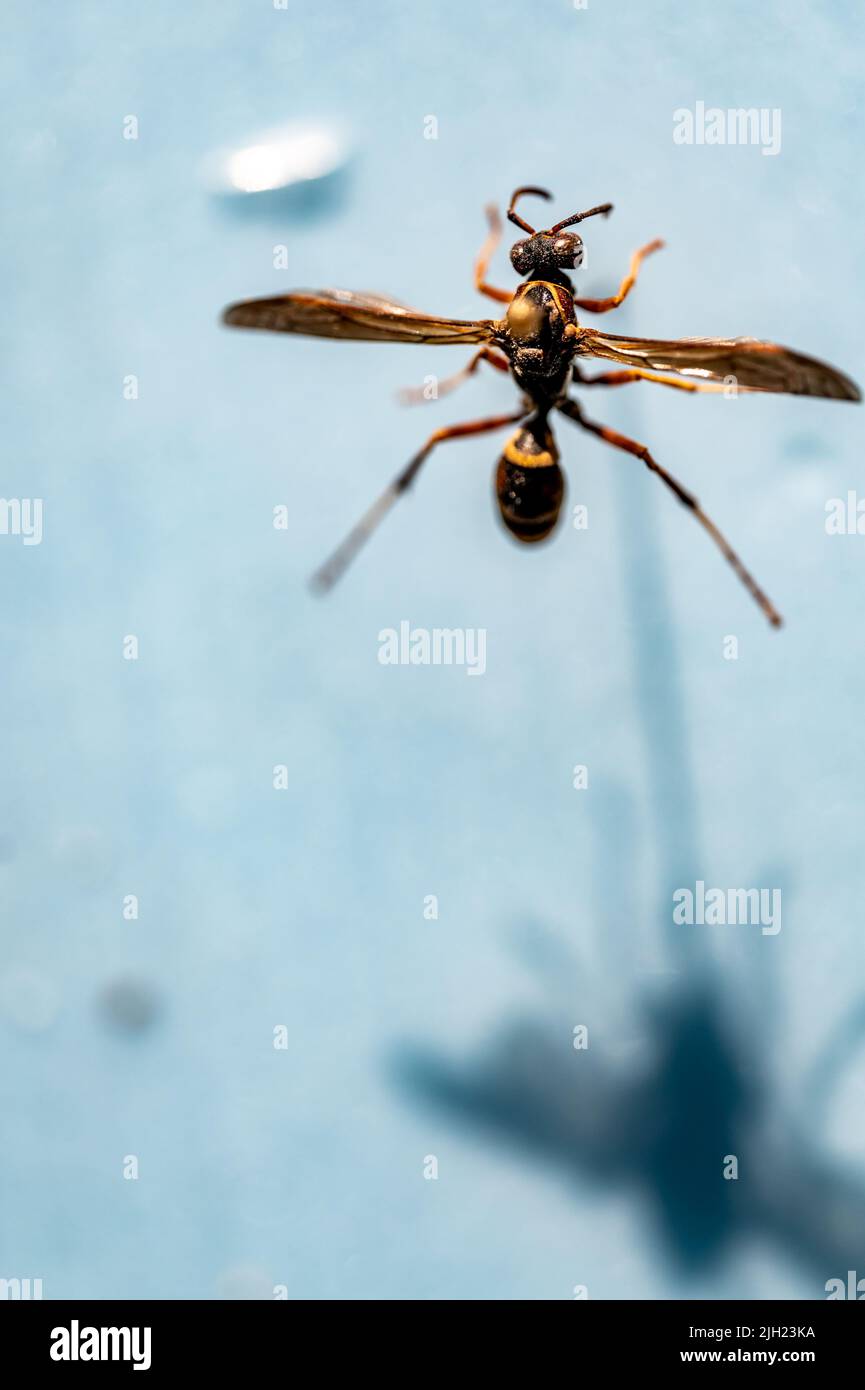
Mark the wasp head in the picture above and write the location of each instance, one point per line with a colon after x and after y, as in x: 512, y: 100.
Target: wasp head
x: 546, y: 251
x: 555, y: 249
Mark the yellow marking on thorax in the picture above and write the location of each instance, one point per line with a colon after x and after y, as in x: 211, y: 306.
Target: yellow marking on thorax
x: 556, y: 292
x: 525, y: 316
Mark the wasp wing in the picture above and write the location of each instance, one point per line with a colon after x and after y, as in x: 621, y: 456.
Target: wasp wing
x: 366, y: 318
x: 756, y: 366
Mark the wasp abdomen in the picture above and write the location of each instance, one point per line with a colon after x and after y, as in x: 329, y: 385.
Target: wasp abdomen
x: 529, y: 483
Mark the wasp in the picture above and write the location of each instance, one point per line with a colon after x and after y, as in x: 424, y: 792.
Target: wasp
x: 542, y: 344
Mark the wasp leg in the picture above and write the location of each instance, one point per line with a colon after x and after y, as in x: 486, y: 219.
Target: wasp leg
x: 486, y: 255
x: 415, y: 395
x: 335, y: 567
x: 630, y: 446
x: 600, y: 306
x: 637, y: 374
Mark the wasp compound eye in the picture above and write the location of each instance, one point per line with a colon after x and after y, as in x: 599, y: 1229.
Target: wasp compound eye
x: 522, y: 257
x: 568, y: 249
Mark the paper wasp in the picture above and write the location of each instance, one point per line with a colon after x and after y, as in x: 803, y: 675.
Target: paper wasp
x: 541, y: 343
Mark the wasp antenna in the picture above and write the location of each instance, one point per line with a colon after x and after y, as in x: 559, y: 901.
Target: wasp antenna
x: 605, y: 208
x: 518, y: 193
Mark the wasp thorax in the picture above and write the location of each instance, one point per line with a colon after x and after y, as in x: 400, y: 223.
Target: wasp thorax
x: 545, y: 251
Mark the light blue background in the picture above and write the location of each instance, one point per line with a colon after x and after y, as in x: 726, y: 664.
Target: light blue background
x: 304, y: 1167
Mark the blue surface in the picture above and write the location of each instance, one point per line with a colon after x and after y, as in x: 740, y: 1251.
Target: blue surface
x: 304, y: 907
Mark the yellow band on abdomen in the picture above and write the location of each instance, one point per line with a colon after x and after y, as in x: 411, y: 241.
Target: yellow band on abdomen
x: 514, y: 454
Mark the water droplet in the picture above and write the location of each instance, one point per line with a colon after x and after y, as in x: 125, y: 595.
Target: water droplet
x: 278, y: 159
